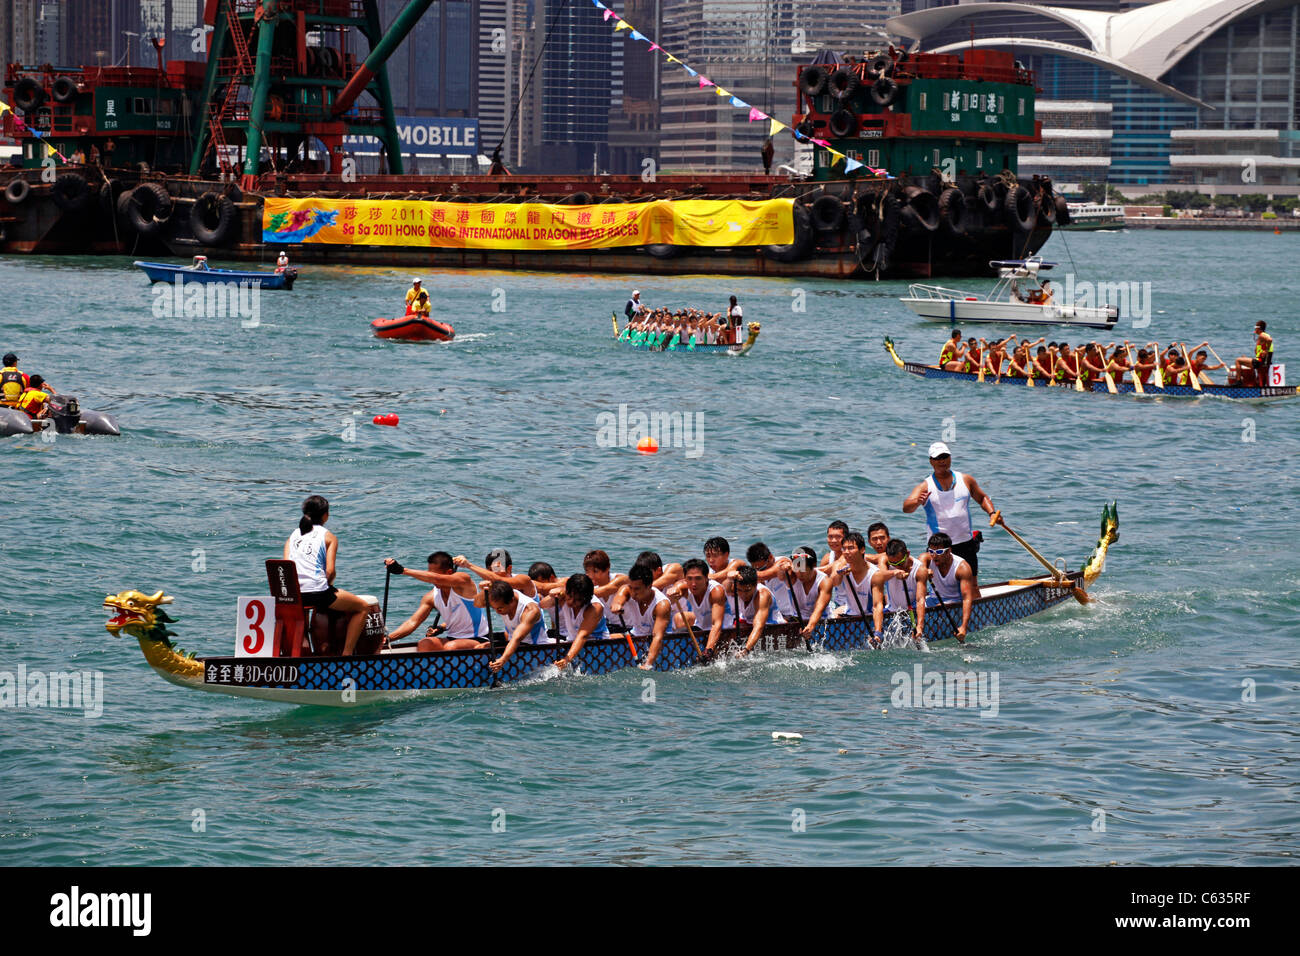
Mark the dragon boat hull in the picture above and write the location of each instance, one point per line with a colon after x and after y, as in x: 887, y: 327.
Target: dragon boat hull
x: 1234, y: 393
x: 638, y: 343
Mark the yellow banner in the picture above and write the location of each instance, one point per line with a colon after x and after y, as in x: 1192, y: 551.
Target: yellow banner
x: 447, y: 225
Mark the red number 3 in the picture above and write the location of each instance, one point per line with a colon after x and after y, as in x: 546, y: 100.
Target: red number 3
x: 255, y: 610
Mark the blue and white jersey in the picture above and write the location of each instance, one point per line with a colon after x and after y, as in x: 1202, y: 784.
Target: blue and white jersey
x: 749, y: 609
x: 538, y: 634
x: 949, y: 511
x: 462, y: 619
x: 571, y: 622
x: 308, y: 554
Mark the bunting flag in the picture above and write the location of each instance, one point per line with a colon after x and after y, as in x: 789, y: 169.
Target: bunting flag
x: 755, y: 115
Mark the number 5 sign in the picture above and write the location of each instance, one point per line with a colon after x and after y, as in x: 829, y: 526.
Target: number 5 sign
x: 255, y: 627
x: 1277, y: 375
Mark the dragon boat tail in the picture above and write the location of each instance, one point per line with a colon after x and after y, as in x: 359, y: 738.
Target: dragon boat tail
x: 284, y: 672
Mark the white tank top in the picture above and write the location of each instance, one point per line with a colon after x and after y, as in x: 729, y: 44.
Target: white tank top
x: 642, y: 622
x: 749, y: 609
x: 308, y: 553
x: 946, y: 586
x: 570, y: 622
x: 949, y: 511
x: 538, y: 633
x: 807, y: 599
x: 781, y: 595
x: 462, y: 618
x: 702, y: 609
x: 857, y: 594
x: 898, y: 599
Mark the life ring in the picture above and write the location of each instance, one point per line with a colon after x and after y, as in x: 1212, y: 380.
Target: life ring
x: 148, y: 208
x: 884, y: 91
x: 922, y: 209
x: 1062, y: 211
x: 71, y: 192
x: 812, y: 80
x: 843, y: 83
x: 64, y: 89
x: 28, y: 94
x: 882, y: 65
x: 828, y: 214
x: 1019, y: 208
x: 803, y: 238
x: 843, y: 123
x: 952, y: 211
x: 211, y: 218
x: 17, y: 191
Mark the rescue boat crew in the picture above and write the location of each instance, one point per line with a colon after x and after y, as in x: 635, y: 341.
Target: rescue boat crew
x: 313, y: 550
x: 412, y: 294
x: 522, y: 620
x: 946, y: 496
x: 281, y: 262
x: 894, y: 589
x: 453, y: 595
x: 645, y: 609
x: 702, y: 600
x: 753, y: 602
x: 582, y: 616
x: 35, y: 397
x: 945, y: 578
x: 12, y: 381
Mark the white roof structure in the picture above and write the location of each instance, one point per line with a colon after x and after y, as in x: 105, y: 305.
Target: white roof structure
x: 1143, y: 44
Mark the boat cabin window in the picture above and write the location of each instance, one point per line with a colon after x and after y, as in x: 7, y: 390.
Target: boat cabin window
x: 141, y: 106
x: 979, y: 159
x: 1022, y: 107
x: 873, y: 157
x: 922, y: 101
x: 1002, y: 103
x: 936, y: 157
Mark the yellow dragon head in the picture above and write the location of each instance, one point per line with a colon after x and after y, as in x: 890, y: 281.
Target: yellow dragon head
x: 138, y: 614
x: 1109, y: 535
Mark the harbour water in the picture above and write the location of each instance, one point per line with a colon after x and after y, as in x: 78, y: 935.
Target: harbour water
x: 1155, y: 726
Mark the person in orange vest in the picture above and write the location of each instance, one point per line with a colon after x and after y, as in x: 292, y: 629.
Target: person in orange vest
x: 12, y: 381
x: 35, y: 398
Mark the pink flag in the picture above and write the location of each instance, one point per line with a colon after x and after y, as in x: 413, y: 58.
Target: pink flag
x: 822, y: 142
x: 608, y: 13
x: 655, y: 46
x: 756, y: 114
x: 705, y: 81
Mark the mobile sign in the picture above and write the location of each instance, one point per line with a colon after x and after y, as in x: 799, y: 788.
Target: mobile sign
x: 425, y: 136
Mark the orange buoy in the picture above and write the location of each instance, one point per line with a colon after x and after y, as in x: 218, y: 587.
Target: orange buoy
x: 647, y: 445
x: 386, y: 420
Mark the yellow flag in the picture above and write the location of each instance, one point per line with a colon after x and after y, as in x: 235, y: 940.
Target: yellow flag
x: 622, y: 25
x: 671, y: 58
x: 775, y: 127
x: 722, y: 92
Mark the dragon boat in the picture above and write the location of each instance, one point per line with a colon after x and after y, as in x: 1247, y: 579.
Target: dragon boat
x: 663, y: 342
x: 1235, y: 393
x: 274, y: 629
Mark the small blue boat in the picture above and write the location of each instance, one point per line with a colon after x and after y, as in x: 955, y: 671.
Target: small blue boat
x: 162, y: 272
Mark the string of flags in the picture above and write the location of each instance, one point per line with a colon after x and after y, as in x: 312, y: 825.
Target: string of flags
x: 755, y: 114
x: 20, y: 125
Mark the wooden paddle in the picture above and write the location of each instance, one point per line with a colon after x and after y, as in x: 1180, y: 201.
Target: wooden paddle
x: 1133, y: 371
x: 699, y: 654
x: 1106, y: 376
x: 492, y: 645
x: 1192, y: 375
x: 983, y: 353
x: 1079, y: 593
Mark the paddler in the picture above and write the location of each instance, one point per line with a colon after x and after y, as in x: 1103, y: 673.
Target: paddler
x: 701, y: 600
x: 773, y: 572
x: 1247, y: 368
x: 646, y: 610
x: 522, y: 620
x: 12, y: 381
x: 463, y: 623
x: 946, y: 496
x: 582, y: 616
x: 313, y: 550
x: 852, y: 576
x: 811, y: 588
x: 950, y: 356
x: 997, y: 354
x: 499, y: 568
x: 974, y: 357
x: 595, y: 564
x: 835, y: 532
x: 734, y: 318
x: 412, y: 294
x: 755, y: 604
x: 1200, y: 360
x: 945, y: 578
x: 635, y: 308
x: 895, y: 588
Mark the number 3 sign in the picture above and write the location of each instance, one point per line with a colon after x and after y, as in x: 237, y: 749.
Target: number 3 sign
x: 255, y: 627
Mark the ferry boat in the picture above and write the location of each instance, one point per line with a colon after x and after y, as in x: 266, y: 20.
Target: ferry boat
x: 1090, y: 217
x: 149, y: 164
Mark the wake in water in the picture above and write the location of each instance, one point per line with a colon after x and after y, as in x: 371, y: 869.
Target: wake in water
x: 897, y: 635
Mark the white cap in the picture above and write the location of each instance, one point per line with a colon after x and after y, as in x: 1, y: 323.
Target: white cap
x: 938, y: 450
x: 414, y: 281
x: 636, y: 291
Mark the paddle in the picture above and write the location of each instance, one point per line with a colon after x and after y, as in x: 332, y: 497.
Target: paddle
x: 627, y: 634
x: 1079, y: 593
x: 871, y: 638
x: 983, y: 352
x: 1192, y: 374
x: 736, y: 604
x: 699, y: 654
x: 1133, y: 371
x: 1226, y: 370
x: 388, y: 576
x: 1078, y: 374
x: 794, y: 599
x: 1105, y: 374
x: 944, y: 607
x: 492, y: 645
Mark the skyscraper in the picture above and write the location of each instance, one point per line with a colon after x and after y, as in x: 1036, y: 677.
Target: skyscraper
x: 582, y: 81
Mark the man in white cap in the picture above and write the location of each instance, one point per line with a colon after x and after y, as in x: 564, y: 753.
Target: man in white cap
x: 635, y: 306
x: 411, y: 294
x: 946, y: 496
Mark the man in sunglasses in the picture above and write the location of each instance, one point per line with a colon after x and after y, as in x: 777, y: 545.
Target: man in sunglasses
x: 894, y: 589
x: 946, y: 496
x: 945, y: 578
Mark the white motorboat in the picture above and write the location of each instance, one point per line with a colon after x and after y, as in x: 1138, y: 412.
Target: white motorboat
x: 1019, y: 298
